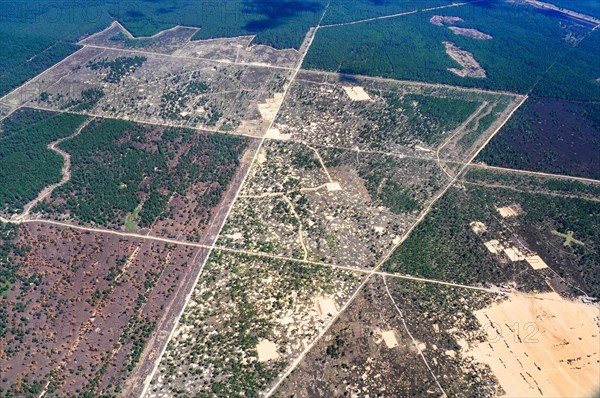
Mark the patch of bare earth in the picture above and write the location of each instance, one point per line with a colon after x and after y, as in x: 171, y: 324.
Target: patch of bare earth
x: 541, y: 346
x: 441, y: 20
x: 469, y: 66
x: 473, y: 33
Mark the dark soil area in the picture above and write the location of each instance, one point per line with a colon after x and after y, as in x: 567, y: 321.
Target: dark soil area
x: 79, y: 309
x: 551, y: 136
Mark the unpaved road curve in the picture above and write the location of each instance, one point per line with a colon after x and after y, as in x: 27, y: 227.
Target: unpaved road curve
x: 66, y: 170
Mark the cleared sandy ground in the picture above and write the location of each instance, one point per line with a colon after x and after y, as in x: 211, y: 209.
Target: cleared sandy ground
x: 542, y: 346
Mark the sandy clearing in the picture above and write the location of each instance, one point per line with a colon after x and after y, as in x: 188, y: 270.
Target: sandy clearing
x: 541, y: 346
x: 508, y: 211
x: 269, y: 109
x: 267, y: 350
x: 472, y: 33
x: 440, y: 20
x: 356, y: 93
x: 478, y: 227
x: 333, y: 186
x: 470, y: 67
x: 536, y: 262
x: 493, y: 246
x: 389, y: 338
x: 275, y: 134
x: 325, y: 307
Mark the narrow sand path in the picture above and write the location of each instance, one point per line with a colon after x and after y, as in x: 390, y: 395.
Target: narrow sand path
x: 66, y: 171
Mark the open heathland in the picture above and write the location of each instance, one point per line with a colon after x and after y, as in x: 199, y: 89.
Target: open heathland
x: 333, y: 205
x: 39, y: 33
x: 247, y: 318
x: 78, y: 309
x: 373, y: 349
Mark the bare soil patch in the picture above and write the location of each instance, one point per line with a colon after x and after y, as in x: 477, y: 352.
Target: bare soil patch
x: 470, y: 67
x: 441, y: 20
x: 541, y: 346
x: 474, y: 33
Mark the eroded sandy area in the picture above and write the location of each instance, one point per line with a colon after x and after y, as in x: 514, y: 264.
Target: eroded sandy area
x: 541, y: 346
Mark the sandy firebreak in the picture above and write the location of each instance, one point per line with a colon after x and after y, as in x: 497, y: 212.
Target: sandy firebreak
x: 542, y: 346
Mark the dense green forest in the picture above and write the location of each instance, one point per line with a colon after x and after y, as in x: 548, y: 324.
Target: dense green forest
x: 444, y: 247
x: 22, y: 58
x: 120, y: 168
x: 588, y: 7
x: 38, y: 33
x: 340, y: 11
x: 530, y: 50
x: 26, y: 164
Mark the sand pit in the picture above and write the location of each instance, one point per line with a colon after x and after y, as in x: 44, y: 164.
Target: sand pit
x: 389, y: 338
x: 470, y: 67
x: 267, y: 350
x: 325, y: 307
x: 493, y: 246
x: 357, y: 93
x: 541, y: 346
x: 513, y: 253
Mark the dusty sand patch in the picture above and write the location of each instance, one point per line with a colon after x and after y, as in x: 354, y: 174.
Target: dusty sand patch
x: 423, y: 149
x: 390, y: 339
x: 470, y: 67
x: 267, y: 350
x: 235, y: 236
x: 379, y: 230
x: 478, y: 227
x: 333, y: 186
x: 541, y: 346
x: 268, y: 109
x: 513, y: 253
x: 493, y: 246
x: 261, y: 157
x: 357, y: 93
x: 275, y: 134
x: 509, y: 211
x: 441, y: 20
x: 536, y: 262
x: 325, y: 307
x: 473, y: 33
